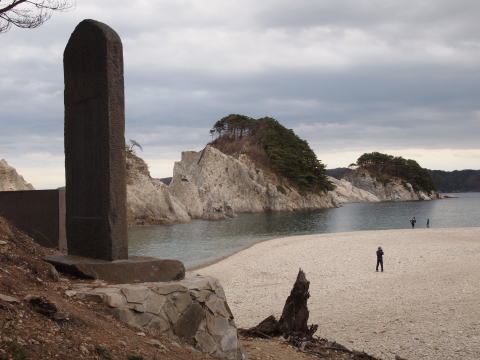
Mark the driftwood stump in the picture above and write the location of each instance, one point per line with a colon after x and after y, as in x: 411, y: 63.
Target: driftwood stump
x: 295, y: 312
x: 293, y: 326
x: 293, y: 321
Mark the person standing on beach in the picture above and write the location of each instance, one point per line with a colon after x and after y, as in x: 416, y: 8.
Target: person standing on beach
x: 428, y: 222
x: 413, y: 222
x: 379, y: 258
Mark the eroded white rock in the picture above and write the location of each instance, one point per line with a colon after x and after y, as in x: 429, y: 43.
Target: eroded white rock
x: 213, y: 185
x: 10, y: 180
x: 148, y: 199
x: 394, y: 189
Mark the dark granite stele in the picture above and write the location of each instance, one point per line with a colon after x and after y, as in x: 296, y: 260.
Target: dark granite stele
x: 131, y: 270
x: 95, y: 170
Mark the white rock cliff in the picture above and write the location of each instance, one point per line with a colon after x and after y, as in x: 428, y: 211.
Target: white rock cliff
x: 212, y: 185
x: 209, y: 184
x: 148, y: 199
x: 394, y: 189
x: 10, y: 180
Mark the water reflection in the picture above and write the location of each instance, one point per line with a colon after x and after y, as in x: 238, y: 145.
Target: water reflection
x: 202, y: 241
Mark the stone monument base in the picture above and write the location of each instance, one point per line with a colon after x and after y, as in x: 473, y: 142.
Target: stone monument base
x: 133, y: 269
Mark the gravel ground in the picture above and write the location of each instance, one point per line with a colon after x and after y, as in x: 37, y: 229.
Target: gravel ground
x: 426, y: 305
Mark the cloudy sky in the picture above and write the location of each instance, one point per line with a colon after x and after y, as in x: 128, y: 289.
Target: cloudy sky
x: 349, y: 76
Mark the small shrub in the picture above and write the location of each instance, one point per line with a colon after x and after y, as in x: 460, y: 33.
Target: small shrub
x: 131, y: 145
x: 281, y: 189
x: 104, y: 353
x: 17, y: 352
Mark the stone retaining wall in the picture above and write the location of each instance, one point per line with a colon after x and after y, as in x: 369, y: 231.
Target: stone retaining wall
x: 193, y: 311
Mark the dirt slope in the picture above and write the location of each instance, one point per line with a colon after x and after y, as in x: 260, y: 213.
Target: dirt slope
x: 82, y: 330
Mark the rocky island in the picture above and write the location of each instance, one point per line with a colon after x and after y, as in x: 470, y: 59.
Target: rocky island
x: 256, y: 165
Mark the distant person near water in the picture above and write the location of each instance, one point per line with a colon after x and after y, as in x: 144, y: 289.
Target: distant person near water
x: 379, y: 258
x: 428, y: 222
x: 413, y: 221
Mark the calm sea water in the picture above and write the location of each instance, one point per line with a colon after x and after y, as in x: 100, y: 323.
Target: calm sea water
x: 202, y: 241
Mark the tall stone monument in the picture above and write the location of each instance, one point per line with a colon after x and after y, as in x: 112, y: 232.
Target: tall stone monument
x: 95, y: 143
x: 96, y: 220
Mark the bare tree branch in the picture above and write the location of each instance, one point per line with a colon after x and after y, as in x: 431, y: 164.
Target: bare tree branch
x: 29, y: 14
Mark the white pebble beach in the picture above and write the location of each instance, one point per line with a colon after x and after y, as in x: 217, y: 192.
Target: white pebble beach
x: 425, y: 305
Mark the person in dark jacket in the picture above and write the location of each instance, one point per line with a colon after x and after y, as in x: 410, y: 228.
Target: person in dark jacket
x: 413, y: 221
x: 380, y: 258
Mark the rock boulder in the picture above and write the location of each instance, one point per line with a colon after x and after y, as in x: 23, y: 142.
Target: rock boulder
x: 193, y: 311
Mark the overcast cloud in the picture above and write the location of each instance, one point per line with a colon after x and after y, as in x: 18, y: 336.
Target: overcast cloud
x: 401, y: 77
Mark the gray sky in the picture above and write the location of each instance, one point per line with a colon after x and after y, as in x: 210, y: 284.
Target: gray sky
x: 401, y: 77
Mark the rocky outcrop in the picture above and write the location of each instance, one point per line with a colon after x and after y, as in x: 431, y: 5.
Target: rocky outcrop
x: 391, y: 189
x: 209, y: 184
x: 193, y: 311
x: 10, y: 180
x: 148, y: 199
x: 345, y: 192
x: 213, y: 185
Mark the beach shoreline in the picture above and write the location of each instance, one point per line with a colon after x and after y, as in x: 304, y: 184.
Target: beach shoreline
x: 424, y: 306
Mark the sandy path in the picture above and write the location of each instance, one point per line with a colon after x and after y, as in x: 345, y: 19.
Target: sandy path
x: 426, y: 305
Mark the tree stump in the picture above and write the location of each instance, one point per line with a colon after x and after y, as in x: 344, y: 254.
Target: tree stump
x: 295, y: 312
x: 293, y: 326
x: 293, y: 321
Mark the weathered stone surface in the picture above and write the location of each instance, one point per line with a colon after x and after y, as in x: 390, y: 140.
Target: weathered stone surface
x: 135, y: 294
x: 175, y: 309
x: 148, y: 199
x: 115, y: 300
x: 135, y: 319
x: 94, y: 143
x: 9, y: 299
x: 155, y: 303
x: 346, y: 192
x: 206, y: 342
x: 160, y: 325
x: 394, y: 190
x: 187, y: 325
x: 213, y: 185
x: 182, y: 301
x: 201, y: 283
x: 218, y: 306
x: 170, y: 288
x: 135, y: 269
x: 201, y: 295
x: 229, y: 342
x: 10, y: 180
x: 217, y: 325
x: 171, y: 311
